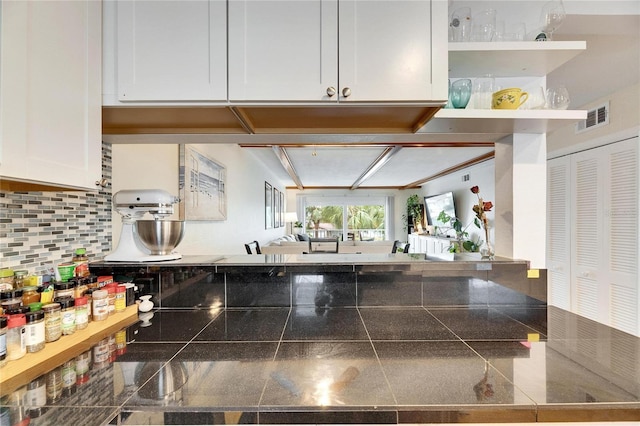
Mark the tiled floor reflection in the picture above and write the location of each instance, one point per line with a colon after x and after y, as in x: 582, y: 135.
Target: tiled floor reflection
x: 377, y: 365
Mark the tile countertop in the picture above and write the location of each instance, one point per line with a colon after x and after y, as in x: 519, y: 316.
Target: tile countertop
x: 419, y: 261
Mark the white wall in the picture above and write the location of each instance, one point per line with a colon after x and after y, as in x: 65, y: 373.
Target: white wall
x: 156, y: 166
x: 624, y: 120
x: 482, y: 175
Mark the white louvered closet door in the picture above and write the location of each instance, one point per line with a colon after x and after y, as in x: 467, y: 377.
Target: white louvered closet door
x: 621, y: 227
x: 604, y: 229
x: 559, y: 232
x: 586, y: 212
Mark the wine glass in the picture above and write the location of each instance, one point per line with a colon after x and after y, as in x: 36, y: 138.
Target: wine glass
x: 552, y: 16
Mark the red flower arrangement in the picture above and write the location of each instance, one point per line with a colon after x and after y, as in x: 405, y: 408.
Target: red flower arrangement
x: 480, y: 220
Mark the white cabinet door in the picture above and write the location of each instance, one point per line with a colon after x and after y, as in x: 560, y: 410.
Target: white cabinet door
x: 50, y: 108
x: 172, y: 50
x: 559, y: 232
x: 386, y: 50
x: 361, y: 50
x: 283, y: 50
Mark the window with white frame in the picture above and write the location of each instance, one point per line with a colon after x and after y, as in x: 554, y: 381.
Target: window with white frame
x: 348, y: 218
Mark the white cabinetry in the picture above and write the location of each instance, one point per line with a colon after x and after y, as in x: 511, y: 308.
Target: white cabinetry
x: 50, y: 103
x: 171, y: 50
x: 428, y: 244
x: 337, y: 51
x: 602, y: 283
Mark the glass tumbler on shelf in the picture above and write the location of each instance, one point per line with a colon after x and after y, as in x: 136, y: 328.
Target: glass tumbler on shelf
x: 558, y: 98
x: 460, y: 25
x: 461, y: 93
x: 484, y: 25
x: 483, y: 88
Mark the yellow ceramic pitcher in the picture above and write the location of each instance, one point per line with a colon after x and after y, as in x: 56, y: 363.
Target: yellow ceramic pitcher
x: 510, y: 98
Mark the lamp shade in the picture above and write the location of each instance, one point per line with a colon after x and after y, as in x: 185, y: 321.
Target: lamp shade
x: 291, y: 217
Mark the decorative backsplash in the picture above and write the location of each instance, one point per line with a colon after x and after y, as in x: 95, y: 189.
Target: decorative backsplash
x: 38, y: 230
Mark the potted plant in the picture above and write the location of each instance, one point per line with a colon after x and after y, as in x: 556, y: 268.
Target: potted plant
x: 414, y: 212
x: 462, y: 242
x: 297, y: 227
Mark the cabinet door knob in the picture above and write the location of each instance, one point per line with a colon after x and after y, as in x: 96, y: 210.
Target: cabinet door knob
x: 346, y: 92
x: 331, y: 91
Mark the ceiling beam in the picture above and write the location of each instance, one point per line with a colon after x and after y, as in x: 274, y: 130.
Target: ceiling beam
x: 376, y: 165
x: 282, y: 155
x: 477, y: 160
x: 375, y: 145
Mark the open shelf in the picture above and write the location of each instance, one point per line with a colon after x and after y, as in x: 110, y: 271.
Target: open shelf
x: 500, y: 121
x: 511, y: 58
x: 32, y: 365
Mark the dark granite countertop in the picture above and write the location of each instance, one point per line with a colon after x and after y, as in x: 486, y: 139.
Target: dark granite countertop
x: 417, y: 261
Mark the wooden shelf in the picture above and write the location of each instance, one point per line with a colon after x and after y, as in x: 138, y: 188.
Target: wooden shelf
x: 500, y: 121
x: 511, y: 58
x: 17, y: 373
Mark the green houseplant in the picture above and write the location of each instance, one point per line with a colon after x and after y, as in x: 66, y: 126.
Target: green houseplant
x: 462, y: 241
x: 414, y: 212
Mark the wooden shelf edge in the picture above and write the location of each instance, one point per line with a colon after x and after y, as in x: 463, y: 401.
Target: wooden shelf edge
x: 18, y: 372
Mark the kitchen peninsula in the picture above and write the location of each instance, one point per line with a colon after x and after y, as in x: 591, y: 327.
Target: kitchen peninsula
x: 330, y: 338
x: 356, y: 279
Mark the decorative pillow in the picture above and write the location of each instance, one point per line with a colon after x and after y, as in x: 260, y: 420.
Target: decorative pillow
x: 290, y: 237
x: 302, y: 237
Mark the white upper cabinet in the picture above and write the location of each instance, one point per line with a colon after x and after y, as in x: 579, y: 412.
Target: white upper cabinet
x: 325, y: 50
x: 50, y: 104
x: 171, y: 50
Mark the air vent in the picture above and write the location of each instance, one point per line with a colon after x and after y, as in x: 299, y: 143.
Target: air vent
x: 596, y: 117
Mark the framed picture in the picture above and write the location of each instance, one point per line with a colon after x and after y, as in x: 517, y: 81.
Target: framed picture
x: 276, y: 208
x: 268, y: 206
x: 282, y: 222
x: 202, y: 186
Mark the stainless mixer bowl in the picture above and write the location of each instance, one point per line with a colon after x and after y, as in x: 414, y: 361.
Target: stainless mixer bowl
x: 160, y: 236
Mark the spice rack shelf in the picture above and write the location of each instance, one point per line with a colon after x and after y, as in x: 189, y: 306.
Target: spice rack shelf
x: 32, y: 365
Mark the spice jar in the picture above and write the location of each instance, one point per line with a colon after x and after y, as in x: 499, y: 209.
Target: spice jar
x: 3, y: 341
x: 121, y: 298
x: 89, y: 295
x: 66, y: 289
x: 36, y: 397
x: 30, y: 295
x: 68, y: 310
x: 16, y: 342
x: 35, y: 306
x: 82, y: 313
x: 52, y: 322
x: 68, y: 373
x: 54, y: 385
x: 35, y: 331
x: 6, y: 279
x: 111, y: 294
x: 81, y: 287
x: 83, y: 361
x: 10, y: 299
x: 82, y: 262
x: 100, y: 310
x: 18, y: 278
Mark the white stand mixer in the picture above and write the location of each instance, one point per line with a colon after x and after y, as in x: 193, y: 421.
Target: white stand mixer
x: 132, y: 205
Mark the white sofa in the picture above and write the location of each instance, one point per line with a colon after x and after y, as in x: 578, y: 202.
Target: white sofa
x: 285, y: 245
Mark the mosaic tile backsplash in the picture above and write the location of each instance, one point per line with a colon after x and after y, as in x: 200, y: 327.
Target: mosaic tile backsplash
x: 38, y: 230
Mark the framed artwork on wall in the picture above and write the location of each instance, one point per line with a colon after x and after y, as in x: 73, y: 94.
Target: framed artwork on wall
x: 202, y: 186
x: 268, y: 206
x: 282, y: 222
x: 276, y: 208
